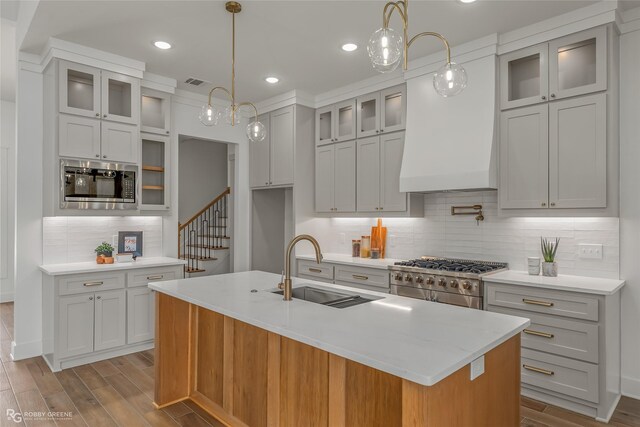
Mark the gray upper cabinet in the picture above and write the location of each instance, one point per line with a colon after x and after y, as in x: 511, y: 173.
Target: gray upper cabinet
x: 259, y: 157
x: 578, y: 64
x: 382, y: 112
x: 336, y: 122
x: 524, y: 77
x: 569, y: 66
x: 120, y: 98
x: 271, y: 160
x: 282, y: 146
x: 524, y: 158
x: 155, y: 112
x: 578, y: 152
x: 378, y: 181
x: 79, y: 90
x: 336, y: 177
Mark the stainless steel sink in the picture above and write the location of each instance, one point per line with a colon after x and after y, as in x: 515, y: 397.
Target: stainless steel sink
x: 327, y: 297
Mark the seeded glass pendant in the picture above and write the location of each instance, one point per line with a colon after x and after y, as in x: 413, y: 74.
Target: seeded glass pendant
x: 209, y: 115
x: 230, y: 117
x: 385, y: 49
x: 450, y: 80
x: 256, y: 131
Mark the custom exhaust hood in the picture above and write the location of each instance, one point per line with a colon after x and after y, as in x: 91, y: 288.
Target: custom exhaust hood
x: 451, y: 143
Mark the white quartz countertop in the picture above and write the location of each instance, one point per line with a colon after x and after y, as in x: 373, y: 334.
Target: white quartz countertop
x: 417, y: 340
x: 347, y: 259
x: 93, y: 267
x: 587, y: 285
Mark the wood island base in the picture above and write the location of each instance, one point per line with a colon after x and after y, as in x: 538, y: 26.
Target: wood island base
x: 246, y: 376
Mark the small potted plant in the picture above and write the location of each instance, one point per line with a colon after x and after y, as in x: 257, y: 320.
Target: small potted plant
x: 549, y: 249
x: 104, y: 253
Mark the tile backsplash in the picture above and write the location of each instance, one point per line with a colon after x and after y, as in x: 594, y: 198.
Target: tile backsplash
x: 506, y: 239
x: 73, y: 239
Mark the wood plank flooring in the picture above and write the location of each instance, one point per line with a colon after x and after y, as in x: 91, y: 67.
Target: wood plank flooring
x: 119, y: 392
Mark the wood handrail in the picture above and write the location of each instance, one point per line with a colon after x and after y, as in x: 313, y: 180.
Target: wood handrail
x: 203, y: 210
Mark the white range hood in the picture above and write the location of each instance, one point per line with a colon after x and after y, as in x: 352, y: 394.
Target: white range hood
x: 451, y: 143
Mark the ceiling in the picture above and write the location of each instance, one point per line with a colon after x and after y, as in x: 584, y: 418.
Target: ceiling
x: 297, y: 41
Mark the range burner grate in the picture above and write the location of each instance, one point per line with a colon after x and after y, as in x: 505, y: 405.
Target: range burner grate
x: 454, y: 265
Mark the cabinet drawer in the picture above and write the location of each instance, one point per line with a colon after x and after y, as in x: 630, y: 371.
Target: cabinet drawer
x: 90, y: 283
x: 561, y: 375
x: 558, y: 335
x: 317, y: 279
x: 363, y: 276
x: 143, y: 276
x: 363, y: 286
x: 544, y: 301
x: 311, y: 268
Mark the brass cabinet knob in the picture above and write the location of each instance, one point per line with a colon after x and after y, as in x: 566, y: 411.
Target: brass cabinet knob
x: 97, y: 114
x: 104, y: 115
x: 544, y: 204
x: 552, y: 204
x: 553, y: 95
x: 543, y: 97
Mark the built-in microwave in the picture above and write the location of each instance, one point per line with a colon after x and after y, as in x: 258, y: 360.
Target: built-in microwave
x: 96, y: 185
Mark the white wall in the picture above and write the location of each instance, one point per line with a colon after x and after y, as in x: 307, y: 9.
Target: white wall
x: 74, y: 238
x: 202, y: 175
x: 7, y: 199
x: 630, y: 208
x: 496, y: 238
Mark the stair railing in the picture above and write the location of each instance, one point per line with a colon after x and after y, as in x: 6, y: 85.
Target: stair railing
x: 204, y: 233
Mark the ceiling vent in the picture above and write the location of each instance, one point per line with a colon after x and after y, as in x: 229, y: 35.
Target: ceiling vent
x: 195, y: 82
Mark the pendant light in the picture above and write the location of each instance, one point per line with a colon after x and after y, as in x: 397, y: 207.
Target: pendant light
x: 387, y: 48
x: 210, y: 115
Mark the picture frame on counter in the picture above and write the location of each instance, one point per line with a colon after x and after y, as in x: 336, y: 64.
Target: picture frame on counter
x: 130, y: 242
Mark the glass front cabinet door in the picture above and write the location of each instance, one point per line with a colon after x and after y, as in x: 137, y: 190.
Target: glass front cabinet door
x: 155, y: 172
x: 393, y: 107
x: 578, y: 64
x: 524, y: 77
x: 155, y: 110
x: 325, y: 134
x: 345, y: 120
x: 120, y: 98
x: 79, y: 89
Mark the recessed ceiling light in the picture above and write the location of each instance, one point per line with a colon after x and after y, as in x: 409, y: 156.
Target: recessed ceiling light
x: 162, y: 45
x: 272, y: 80
x: 349, y: 47
x: 466, y: 1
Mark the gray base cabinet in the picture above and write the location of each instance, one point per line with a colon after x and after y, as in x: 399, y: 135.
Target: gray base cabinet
x: 571, y: 351
x: 371, y: 279
x: 96, y: 316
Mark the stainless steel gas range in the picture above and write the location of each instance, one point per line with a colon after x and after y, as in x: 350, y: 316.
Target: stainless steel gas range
x: 445, y: 280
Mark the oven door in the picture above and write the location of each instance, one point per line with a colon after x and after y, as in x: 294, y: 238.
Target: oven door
x: 457, y: 299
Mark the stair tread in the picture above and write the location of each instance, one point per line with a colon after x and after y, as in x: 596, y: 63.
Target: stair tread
x: 200, y: 258
x: 207, y: 247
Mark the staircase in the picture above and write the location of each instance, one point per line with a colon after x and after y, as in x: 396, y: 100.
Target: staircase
x: 206, y: 233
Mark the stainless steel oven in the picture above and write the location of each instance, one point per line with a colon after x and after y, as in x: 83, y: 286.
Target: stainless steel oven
x: 97, y: 185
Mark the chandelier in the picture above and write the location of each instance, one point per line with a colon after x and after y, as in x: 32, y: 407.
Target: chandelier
x: 387, y: 48
x: 210, y: 115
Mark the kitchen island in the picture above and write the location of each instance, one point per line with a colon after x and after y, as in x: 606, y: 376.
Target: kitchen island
x: 235, y: 348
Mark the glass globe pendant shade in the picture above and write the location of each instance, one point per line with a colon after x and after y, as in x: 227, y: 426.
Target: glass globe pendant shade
x: 385, y: 49
x: 256, y: 131
x: 450, y: 79
x: 209, y: 115
x: 230, y: 116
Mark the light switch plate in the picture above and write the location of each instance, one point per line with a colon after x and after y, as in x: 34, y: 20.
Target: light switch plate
x: 589, y: 251
x: 477, y: 367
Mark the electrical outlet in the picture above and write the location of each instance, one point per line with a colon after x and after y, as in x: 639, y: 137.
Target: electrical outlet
x: 477, y: 368
x: 589, y: 251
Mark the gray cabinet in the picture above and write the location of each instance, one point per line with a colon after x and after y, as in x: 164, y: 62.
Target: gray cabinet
x: 355, y: 276
x: 119, y: 142
x: 272, y: 160
x: 381, y: 112
x: 378, y: 176
x: 75, y: 327
x: 572, y: 347
x: 79, y: 136
x: 336, y: 177
x: 155, y: 112
x: 336, y: 122
x: 140, y: 315
x: 569, y: 66
x: 554, y: 155
x: 109, y: 319
x: 155, y: 181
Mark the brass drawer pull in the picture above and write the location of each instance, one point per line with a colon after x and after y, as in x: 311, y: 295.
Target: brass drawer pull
x: 534, y: 302
x: 537, y: 333
x: 538, y: 370
x: 360, y: 277
x: 92, y: 283
x: 315, y: 270
x: 159, y: 276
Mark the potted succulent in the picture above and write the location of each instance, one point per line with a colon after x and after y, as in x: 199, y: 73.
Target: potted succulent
x: 549, y: 249
x: 104, y: 253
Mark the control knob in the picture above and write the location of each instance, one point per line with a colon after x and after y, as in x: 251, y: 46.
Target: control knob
x: 408, y: 278
x: 453, y: 284
x: 442, y: 282
x: 430, y: 280
x: 419, y: 279
x: 398, y: 277
x: 466, y: 285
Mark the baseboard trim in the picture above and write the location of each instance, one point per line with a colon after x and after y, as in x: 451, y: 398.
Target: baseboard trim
x: 6, y: 297
x: 612, y: 409
x: 25, y: 350
x: 630, y: 387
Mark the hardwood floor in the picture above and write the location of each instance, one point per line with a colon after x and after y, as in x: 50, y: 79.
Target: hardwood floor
x: 119, y: 392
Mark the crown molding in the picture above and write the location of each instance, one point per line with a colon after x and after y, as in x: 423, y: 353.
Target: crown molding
x: 362, y: 87
x: 194, y: 99
x: 630, y: 20
x: 288, y: 98
x: 157, y: 82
